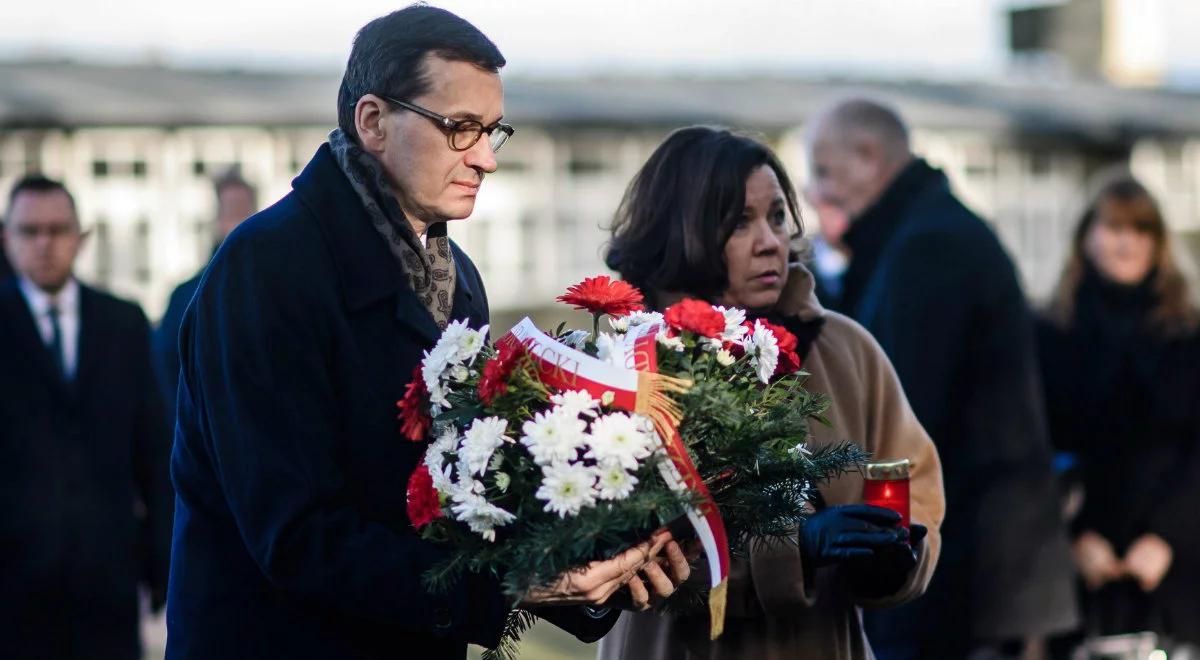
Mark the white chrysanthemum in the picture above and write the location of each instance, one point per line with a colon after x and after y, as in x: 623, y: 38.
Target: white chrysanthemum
x: 764, y: 351
x: 450, y: 339
x: 433, y: 365
x: 567, y: 488
x: 469, y: 343
x: 472, y: 508
x: 620, y: 439
x: 554, y: 436
x: 725, y: 358
x: 673, y: 343
x: 642, y: 318
x: 479, y: 441
x: 435, y: 459
x: 611, y: 350
x: 576, y: 339
x: 613, y: 482
x: 576, y: 402
x: 619, y: 324
x: 734, y: 318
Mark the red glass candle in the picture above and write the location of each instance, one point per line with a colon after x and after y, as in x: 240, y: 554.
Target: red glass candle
x: 885, y: 484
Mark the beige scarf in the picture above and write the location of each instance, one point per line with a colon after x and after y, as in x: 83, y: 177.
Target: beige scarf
x: 430, y: 267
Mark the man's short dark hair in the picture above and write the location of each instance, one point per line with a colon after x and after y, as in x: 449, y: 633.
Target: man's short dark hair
x: 389, y: 54
x: 233, y: 179
x: 37, y: 183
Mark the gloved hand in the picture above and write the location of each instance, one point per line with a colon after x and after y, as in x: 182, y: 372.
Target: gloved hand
x: 838, y: 533
x: 885, y: 572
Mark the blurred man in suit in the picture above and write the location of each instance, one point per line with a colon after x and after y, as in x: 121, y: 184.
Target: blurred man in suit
x: 85, y: 492
x: 236, y: 201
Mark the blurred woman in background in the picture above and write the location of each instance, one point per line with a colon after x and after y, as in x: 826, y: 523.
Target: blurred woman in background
x: 1120, y: 359
x: 713, y: 215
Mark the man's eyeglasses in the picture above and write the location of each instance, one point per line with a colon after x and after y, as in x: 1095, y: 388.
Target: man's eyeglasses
x: 462, y: 134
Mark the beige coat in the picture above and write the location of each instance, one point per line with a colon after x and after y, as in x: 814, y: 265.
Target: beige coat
x: 771, y: 612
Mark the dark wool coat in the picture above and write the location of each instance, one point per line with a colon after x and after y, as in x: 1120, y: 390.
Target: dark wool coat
x: 291, y: 537
x: 934, y: 286
x: 1123, y: 399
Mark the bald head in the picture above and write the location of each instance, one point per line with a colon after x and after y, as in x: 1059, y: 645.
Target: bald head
x: 856, y: 147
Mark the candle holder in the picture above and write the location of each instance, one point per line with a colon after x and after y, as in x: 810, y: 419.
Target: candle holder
x: 885, y: 484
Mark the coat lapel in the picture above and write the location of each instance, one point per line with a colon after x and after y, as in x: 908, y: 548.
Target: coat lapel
x: 28, y: 345
x: 368, y: 271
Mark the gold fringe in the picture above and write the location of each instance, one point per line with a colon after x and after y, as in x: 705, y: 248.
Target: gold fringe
x: 653, y: 400
x: 716, y: 609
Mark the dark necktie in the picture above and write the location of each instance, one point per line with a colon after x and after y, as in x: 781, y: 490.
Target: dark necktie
x: 56, y: 342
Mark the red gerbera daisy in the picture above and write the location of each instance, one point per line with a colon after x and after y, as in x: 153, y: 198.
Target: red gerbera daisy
x: 695, y: 316
x: 423, y: 506
x: 604, y: 295
x: 414, y: 408
x: 494, y: 381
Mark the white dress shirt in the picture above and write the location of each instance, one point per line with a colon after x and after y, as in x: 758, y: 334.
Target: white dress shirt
x: 67, y: 302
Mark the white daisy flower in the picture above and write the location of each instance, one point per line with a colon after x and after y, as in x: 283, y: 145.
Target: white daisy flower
x: 555, y: 435
x: 613, y: 482
x: 643, y: 318
x: 448, y: 343
x: 483, y: 517
x: 435, y: 459
x: 764, y: 350
x: 567, y: 488
x: 576, y: 339
x: 725, y: 358
x: 576, y: 402
x: 619, y: 325
x: 620, y: 439
x: 479, y: 441
x: 673, y: 343
x: 469, y: 343
x: 611, y: 350
x: 734, y: 318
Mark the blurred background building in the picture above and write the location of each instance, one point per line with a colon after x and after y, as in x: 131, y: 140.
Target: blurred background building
x: 1020, y: 101
x: 141, y: 143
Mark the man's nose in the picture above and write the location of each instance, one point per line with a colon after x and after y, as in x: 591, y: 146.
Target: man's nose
x: 481, y: 157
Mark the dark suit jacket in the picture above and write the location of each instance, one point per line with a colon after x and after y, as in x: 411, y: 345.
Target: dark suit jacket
x: 291, y: 537
x: 164, y: 344
x: 85, y: 502
x: 933, y: 284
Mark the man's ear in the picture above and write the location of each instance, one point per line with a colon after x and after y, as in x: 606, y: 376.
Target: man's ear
x: 369, y: 113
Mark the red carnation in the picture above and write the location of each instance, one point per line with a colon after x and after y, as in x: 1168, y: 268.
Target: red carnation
x: 695, y: 316
x: 423, y: 505
x: 494, y: 381
x: 414, y: 408
x: 603, y: 295
x: 789, y: 359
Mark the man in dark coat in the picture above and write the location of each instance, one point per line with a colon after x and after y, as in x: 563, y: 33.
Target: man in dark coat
x: 85, y: 501
x: 236, y: 201
x: 291, y: 535
x: 931, y: 281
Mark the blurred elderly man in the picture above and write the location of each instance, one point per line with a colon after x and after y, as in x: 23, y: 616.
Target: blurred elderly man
x: 933, y: 284
x: 236, y: 201
x: 86, y: 501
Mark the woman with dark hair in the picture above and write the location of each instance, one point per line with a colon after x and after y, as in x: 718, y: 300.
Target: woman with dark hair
x: 1120, y: 359
x: 713, y: 215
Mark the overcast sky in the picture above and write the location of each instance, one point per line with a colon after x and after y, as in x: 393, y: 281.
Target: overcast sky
x: 886, y: 37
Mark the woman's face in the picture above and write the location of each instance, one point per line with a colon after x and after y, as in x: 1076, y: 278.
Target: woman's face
x: 756, y: 254
x: 1121, y: 250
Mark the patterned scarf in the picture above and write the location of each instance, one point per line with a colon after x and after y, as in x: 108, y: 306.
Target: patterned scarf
x: 430, y: 270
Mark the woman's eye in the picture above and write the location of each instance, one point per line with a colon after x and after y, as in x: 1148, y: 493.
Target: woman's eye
x: 779, y: 218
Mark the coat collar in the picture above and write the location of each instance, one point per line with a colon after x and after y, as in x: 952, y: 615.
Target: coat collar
x: 367, y: 270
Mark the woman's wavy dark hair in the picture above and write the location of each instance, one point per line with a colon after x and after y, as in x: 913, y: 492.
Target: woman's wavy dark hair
x: 1134, y: 205
x: 670, y: 230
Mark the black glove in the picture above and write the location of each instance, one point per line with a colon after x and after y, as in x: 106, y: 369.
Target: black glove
x: 884, y: 573
x: 839, y: 533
